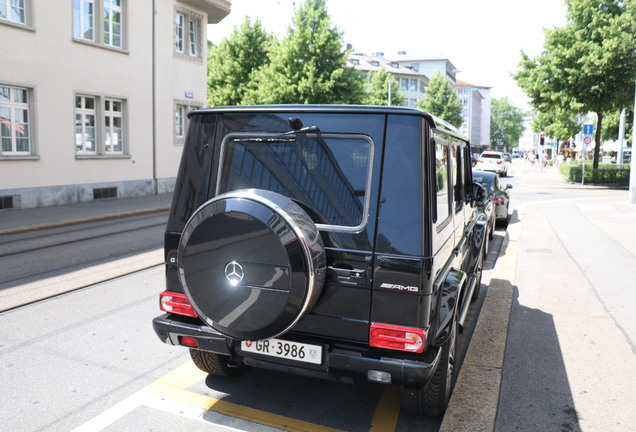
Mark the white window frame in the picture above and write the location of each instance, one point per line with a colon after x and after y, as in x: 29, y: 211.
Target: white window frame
x: 8, y: 9
x: 110, y: 124
x: 101, y: 23
x: 193, y: 39
x: 111, y: 10
x: 112, y: 131
x: 14, y: 126
x: 84, y: 145
x: 84, y: 19
x: 179, y: 32
x: 188, y: 35
x: 181, y: 120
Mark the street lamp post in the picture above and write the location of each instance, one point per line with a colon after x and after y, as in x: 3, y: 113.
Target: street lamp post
x: 632, y: 170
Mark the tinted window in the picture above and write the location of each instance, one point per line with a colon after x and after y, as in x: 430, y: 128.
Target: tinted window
x: 442, y: 155
x: 400, y: 221
x: 327, y: 174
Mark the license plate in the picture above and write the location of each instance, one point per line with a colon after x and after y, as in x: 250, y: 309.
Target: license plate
x: 285, y: 349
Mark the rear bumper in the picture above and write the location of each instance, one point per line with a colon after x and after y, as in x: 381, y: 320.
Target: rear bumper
x: 339, y: 360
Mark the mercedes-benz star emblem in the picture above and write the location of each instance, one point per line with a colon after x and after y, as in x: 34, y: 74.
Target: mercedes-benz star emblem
x: 234, y: 272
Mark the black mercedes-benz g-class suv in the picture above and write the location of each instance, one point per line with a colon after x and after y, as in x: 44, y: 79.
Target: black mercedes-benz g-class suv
x: 330, y: 241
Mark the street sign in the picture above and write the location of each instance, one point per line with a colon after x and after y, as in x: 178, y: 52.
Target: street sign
x: 588, y: 129
x: 587, y: 140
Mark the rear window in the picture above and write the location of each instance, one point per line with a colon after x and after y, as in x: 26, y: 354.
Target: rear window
x: 490, y: 156
x: 327, y: 174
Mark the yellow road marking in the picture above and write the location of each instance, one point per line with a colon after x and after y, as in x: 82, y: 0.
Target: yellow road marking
x: 388, y: 411
x: 173, y: 385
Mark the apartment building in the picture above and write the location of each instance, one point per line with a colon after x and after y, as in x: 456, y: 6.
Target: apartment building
x: 94, y: 95
x: 412, y: 83
x: 476, y: 113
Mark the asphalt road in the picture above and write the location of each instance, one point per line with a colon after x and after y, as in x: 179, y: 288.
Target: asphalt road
x: 88, y: 359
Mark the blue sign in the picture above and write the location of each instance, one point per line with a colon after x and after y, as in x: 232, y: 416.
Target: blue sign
x: 588, y: 129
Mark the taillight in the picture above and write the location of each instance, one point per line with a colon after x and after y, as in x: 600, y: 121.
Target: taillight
x: 480, y: 161
x: 499, y: 162
x: 176, y: 303
x: 397, y: 337
x: 188, y: 341
x: 499, y: 200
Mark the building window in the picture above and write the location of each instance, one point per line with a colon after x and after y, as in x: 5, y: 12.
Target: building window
x: 179, y: 121
x: 15, y: 121
x: 413, y: 85
x: 178, y: 33
x: 187, y: 35
x: 112, y: 23
x: 193, y: 30
x: 404, y: 84
x: 85, y: 115
x: 99, y: 126
x: 107, y: 32
x: 84, y: 19
x: 113, y: 126
x: 14, y: 11
x: 181, y: 109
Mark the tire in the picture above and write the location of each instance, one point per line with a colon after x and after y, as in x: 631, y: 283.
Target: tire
x: 432, y: 400
x: 215, y: 364
x: 480, y: 269
x: 252, y: 263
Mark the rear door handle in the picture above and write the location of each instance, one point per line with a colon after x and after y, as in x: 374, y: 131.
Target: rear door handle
x: 346, y: 274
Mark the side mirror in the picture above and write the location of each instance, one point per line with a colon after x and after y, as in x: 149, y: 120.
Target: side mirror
x: 508, y: 186
x: 479, y: 194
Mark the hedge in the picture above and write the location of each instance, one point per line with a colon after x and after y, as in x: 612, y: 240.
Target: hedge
x: 605, y: 174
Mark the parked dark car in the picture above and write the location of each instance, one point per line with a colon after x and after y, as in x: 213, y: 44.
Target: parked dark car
x: 337, y: 242
x: 497, y: 194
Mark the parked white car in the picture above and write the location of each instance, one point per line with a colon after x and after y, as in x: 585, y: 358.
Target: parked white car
x: 493, y: 161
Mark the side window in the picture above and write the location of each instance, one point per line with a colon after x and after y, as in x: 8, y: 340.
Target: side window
x: 458, y: 171
x: 442, y: 156
x: 468, y: 174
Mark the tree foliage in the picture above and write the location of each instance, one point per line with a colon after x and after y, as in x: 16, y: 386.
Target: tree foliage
x: 378, y: 89
x: 506, y: 123
x: 442, y: 101
x: 309, y: 64
x: 588, y: 65
x: 558, y: 124
x: 232, y: 63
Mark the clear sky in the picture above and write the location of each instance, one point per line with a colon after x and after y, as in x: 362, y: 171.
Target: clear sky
x: 482, y: 38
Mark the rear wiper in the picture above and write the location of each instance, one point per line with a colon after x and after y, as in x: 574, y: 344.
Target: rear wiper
x: 307, y: 129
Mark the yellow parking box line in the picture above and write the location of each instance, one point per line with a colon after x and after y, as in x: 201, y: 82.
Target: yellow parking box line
x: 388, y: 411
x: 182, y: 377
x: 243, y: 412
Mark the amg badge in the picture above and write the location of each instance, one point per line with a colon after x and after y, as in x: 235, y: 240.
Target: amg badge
x: 399, y: 287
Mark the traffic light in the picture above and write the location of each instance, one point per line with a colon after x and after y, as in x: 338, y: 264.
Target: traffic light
x: 542, y: 139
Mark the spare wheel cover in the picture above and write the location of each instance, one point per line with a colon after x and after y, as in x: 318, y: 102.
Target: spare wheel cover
x: 252, y: 263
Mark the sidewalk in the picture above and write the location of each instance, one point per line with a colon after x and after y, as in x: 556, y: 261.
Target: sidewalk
x: 21, y: 220
x: 555, y: 344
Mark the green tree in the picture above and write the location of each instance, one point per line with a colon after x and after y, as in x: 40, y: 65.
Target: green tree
x: 558, y: 124
x: 442, y: 101
x: 309, y: 65
x: 232, y: 63
x: 378, y: 89
x: 611, y: 123
x: 506, y: 123
x: 589, y: 63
